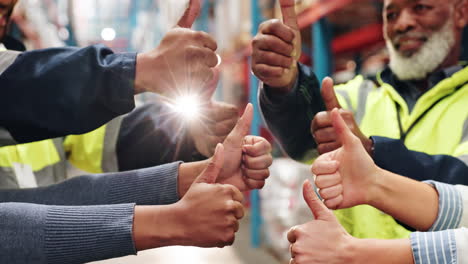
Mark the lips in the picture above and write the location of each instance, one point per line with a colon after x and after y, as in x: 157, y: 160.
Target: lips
x: 409, y: 44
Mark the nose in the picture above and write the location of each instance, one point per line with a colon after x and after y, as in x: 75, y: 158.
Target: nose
x: 405, y: 22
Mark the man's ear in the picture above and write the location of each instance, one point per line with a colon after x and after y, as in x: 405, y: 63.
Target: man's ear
x: 461, y: 14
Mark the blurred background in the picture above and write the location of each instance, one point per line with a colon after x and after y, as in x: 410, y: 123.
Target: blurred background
x: 341, y: 38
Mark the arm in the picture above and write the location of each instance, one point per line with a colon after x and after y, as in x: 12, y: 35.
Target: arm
x: 157, y: 185
x: 393, y: 155
x: 289, y: 116
x: 90, y: 87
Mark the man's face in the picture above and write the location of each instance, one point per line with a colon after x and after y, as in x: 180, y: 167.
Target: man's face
x: 6, y: 6
x: 409, y: 24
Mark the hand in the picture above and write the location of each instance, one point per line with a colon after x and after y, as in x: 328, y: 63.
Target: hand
x: 322, y: 240
x: 346, y: 176
x: 247, y: 157
x: 276, y: 50
x: 321, y: 126
x: 210, y: 212
x: 217, y: 122
x: 182, y: 63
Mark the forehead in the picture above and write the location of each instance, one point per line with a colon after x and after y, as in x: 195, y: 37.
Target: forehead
x: 6, y: 3
x: 391, y: 4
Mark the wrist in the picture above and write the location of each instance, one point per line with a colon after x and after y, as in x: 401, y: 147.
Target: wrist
x: 157, y: 226
x: 188, y: 172
x: 138, y: 83
x: 376, y: 188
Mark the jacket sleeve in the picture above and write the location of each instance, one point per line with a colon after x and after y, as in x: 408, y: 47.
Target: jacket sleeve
x: 394, y: 156
x: 150, y: 135
x: 31, y: 233
x: 289, y: 116
x: 60, y: 91
x: 151, y: 186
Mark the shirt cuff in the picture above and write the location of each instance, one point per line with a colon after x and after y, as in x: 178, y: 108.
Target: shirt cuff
x: 450, y: 206
x: 434, y: 247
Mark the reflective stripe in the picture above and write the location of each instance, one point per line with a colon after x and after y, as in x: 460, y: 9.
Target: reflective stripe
x: 364, y: 90
x: 463, y: 158
x: 109, y: 153
x: 464, y: 136
x: 7, y: 58
x: 347, y: 99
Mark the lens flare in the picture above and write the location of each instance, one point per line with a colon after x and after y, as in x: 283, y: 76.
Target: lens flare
x: 187, y: 106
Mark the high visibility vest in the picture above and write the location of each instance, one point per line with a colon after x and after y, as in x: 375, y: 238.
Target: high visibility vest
x: 438, y: 124
x: 93, y: 152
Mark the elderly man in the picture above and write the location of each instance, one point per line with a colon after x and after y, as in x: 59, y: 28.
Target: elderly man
x: 419, y: 100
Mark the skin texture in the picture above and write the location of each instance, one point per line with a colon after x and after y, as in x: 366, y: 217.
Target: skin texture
x: 212, y: 222
x: 183, y: 62
x: 6, y: 7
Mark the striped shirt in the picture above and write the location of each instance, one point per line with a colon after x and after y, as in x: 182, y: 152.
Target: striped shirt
x: 445, y: 240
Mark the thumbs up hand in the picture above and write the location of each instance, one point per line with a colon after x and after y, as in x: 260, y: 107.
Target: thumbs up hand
x: 182, y: 63
x: 346, y: 176
x: 277, y: 48
x: 211, y: 210
x: 322, y: 240
x: 247, y: 157
x: 321, y: 126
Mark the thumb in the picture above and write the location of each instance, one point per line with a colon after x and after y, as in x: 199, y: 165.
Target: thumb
x: 211, y: 172
x: 288, y: 10
x: 242, y: 127
x: 328, y: 94
x: 190, y: 15
x: 342, y: 130
x: 319, y: 210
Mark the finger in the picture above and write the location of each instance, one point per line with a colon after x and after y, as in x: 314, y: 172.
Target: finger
x: 267, y: 72
x: 291, y: 251
x: 274, y: 44
x: 260, y: 147
x: 292, y: 261
x: 288, y: 10
x: 328, y: 94
x: 223, y: 111
x: 242, y: 127
x: 257, y: 163
x: 223, y: 128
x: 205, y: 40
x: 319, y: 210
x: 210, y: 174
x: 190, y: 15
x: 236, y: 226
x: 345, y: 135
x: 292, y: 234
x: 236, y: 194
x: 328, y: 180
x: 324, y: 135
x: 254, y: 184
x: 273, y: 59
x: 328, y: 147
x: 257, y: 175
x: 321, y: 120
x: 331, y: 192
x: 277, y: 29
x: 334, y: 203
x: 325, y: 167
x: 238, y: 210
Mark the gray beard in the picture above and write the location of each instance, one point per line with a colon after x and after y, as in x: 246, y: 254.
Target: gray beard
x: 427, y: 59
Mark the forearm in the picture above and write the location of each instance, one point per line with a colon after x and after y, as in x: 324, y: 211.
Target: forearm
x: 411, y: 202
x: 32, y: 233
x: 381, y: 251
x: 83, y: 88
x: 156, y: 185
x: 188, y: 172
x: 289, y: 116
x: 393, y: 155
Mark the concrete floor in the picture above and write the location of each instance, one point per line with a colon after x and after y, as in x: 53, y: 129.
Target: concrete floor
x: 239, y: 253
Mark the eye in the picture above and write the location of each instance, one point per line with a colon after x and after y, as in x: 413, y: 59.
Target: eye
x: 421, y: 8
x: 391, y: 16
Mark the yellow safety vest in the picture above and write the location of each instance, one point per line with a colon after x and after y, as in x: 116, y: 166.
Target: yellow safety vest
x: 442, y: 130
x: 93, y: 152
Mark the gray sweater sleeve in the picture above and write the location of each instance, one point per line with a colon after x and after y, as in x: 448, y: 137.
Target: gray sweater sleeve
x: 31, y: 233
x: 289, y: 116
x: 151, y: 186
x: 98, y: 226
